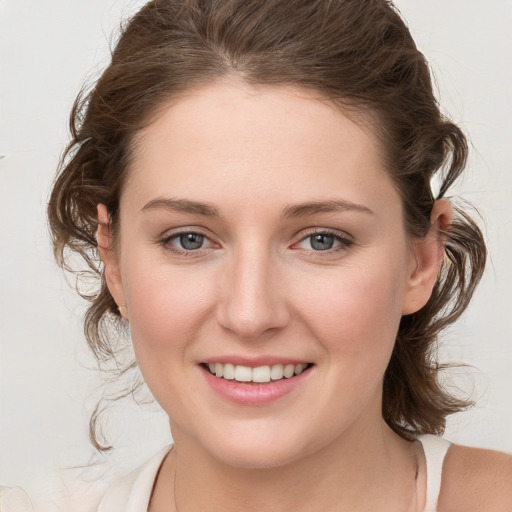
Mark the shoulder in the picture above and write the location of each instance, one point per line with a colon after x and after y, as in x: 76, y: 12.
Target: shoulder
x: 52, y: 493
x: 14, y: 499
x: 475, y: 480
x: 134, y: 490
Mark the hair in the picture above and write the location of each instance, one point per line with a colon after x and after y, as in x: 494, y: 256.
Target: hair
x: 358, y: 54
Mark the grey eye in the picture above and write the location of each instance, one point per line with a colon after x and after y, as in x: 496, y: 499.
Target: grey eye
x: 321, y: 242
x: 191, y: 241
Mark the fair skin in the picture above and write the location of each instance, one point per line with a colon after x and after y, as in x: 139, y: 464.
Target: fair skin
x: 258, y: 226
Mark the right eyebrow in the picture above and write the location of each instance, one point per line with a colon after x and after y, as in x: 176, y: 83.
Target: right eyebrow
x: 182, y: 206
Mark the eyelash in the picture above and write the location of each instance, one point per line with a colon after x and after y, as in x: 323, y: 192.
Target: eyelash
x: 166, y: 242
x: 344, y: 242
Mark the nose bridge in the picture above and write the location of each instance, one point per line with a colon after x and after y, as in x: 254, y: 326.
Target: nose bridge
x: 253, y: 302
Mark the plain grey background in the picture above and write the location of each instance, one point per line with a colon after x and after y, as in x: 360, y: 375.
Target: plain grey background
x: 47, y: 389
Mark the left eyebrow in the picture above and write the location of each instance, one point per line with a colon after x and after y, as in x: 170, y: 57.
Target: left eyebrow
x: 332, y: 206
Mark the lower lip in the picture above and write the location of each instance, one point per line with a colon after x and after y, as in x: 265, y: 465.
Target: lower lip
x: 254, y: 394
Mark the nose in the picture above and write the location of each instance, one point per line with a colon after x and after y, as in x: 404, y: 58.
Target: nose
x: 252, y: 302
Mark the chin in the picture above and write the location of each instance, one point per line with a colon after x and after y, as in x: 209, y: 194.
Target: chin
x: 258, y: 448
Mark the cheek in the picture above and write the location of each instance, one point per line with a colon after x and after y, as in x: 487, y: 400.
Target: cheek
x: 168, y: 308
x: 356, y: 310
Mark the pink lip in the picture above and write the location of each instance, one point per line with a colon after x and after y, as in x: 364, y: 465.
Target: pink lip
x: 254, y: 362
x: 253, y: 394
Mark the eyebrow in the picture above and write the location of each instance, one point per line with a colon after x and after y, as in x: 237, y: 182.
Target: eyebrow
x: 182, y: 206
x: 290, y: 211
x: 331, y: 206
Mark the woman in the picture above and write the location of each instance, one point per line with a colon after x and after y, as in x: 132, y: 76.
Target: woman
x: 256, y: 179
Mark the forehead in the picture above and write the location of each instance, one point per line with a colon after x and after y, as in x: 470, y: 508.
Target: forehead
x: 230, y: 140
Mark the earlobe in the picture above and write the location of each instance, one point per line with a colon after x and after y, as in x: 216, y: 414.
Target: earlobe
x: 428, y: 256
x: 109, y: 257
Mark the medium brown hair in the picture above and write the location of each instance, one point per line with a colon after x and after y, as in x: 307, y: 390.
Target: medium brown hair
x: 356, y: 53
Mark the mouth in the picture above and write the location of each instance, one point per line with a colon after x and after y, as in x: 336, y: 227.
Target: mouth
x: 259, y: 375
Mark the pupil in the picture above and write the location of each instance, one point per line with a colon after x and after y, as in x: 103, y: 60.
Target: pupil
x: 191, y: 241
x: 322, y: 242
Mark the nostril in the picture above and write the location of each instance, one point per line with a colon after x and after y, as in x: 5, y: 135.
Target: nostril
x: 251, y: 321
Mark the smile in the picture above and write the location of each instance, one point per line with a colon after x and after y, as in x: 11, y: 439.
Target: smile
x: 258, y: 375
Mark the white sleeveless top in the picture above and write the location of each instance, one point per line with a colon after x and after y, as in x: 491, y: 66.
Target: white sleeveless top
x: 132, y: 492
x: 435, y: 449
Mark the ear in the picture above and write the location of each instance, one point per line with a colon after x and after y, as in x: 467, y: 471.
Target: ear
x: 427, y: 258
x: 110, y: 259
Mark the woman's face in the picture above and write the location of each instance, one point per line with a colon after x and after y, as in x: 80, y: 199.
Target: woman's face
x: 259, y: 228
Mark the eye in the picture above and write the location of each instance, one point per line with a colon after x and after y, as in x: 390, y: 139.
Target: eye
x: 323, y: 241
x: 186, y: 242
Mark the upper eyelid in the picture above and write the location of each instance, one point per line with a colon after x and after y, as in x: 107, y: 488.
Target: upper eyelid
x: 171, y: 233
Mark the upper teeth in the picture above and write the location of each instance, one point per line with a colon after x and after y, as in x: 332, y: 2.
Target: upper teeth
x: 259, y: 374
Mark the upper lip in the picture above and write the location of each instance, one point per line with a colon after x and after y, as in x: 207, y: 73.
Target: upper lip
x: 254, y: 361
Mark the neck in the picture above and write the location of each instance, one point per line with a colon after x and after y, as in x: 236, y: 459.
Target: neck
x: 362, y: 470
